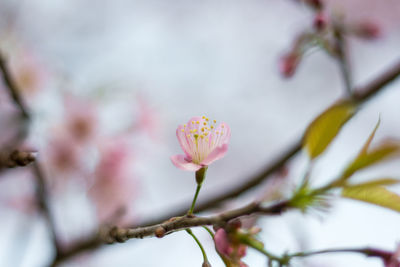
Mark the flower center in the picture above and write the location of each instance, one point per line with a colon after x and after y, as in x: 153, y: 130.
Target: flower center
x: 202, y: 136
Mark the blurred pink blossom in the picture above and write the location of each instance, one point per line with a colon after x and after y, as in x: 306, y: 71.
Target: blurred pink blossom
x: 147, y: 119
x: 81, y: 119
x: 202, y: 142
x: 114, y: 185
x: 288, y: 64
x: 63, y: 154
x: 231, y: 250
x: 368, y: 30
x: 28, y: 73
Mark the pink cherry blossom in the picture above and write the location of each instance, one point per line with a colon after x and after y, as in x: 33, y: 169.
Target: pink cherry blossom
x: 288, y: 64
x: 114, y: 187
x: 229, y: 249
x: 202, y: 141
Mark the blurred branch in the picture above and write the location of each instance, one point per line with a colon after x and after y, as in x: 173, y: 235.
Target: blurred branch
x: 361, y: 95
x: 343, y: 59
x: 42, y: 198
x: 12, y: 88
x: 16, y: 158
x: 41, y: 190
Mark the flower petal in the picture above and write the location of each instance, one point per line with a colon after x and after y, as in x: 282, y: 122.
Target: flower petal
x: 222, y: 242
x: 183, y: 141
x: 216, y: 154
x: 225, y: 133
x: 180, y: 162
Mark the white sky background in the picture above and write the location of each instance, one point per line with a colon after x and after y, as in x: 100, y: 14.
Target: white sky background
x: 217, y: 58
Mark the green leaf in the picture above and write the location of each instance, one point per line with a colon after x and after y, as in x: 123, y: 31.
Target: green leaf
x: 383, y: 152
x: 326, y: 126
x: 376, y: 182
x: 376, y: 195
x: 369, y: 140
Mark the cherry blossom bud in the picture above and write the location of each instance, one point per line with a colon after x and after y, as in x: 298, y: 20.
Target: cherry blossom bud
x: 288, y: 64
x: 235, y: 223
x: 206, y: 264
x: 368, y: 30
x: 320, y: 21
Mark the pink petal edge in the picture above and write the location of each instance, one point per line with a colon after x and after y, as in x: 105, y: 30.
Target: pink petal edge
x: 216, y: 154
x: 182, y: 141
x: 180, y: 162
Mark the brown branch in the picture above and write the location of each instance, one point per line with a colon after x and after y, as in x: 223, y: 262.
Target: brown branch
x: 12, y: 88
x: 180, y: 223
x: 16, y: 158
x: 42, y: 199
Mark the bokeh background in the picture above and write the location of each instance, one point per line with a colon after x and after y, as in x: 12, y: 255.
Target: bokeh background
x: 108, y: 82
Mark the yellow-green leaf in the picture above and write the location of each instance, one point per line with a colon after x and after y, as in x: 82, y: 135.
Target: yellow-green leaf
x: 376, y: 195
x: 369, y: 140
x: 326, y: 126
x: 382, y: 152
x: 376, y: 182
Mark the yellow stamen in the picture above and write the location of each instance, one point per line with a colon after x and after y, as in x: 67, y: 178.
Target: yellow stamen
x: 222, y: 126
x: 182, y: 130
x: 193, y: 122
x: 212, y: 126
x: 215, y: 121
x: 197, y: 122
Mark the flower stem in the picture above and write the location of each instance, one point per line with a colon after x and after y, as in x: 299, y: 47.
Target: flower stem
x: 190, y: 212
x: 200, y: 176
x: 257, y: 245
x: 205, y: 259
x: 311, y: 253
x: 209, y: 231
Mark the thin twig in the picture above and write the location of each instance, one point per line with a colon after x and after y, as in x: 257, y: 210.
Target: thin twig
x: 343, y: 59
x: 12, y: 88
